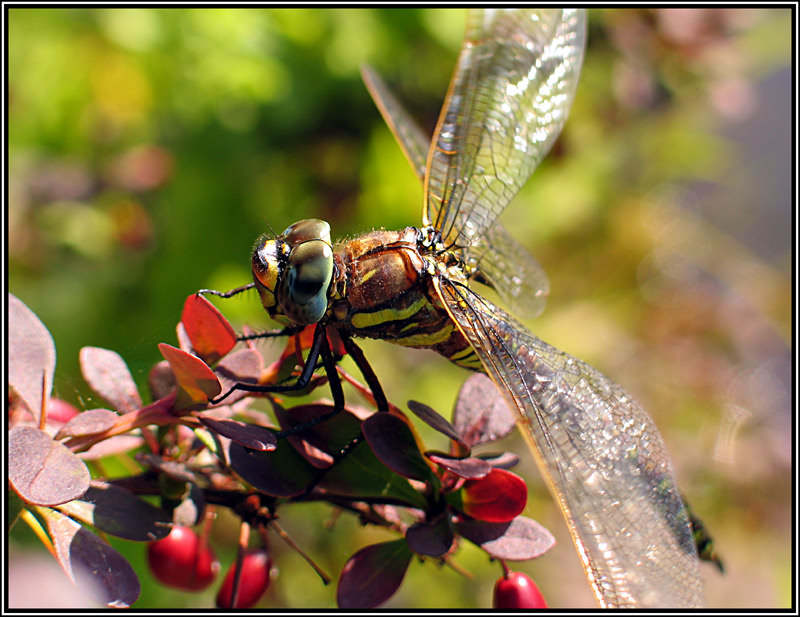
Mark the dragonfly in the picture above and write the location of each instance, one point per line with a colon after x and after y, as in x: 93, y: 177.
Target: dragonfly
x: 598, y: 450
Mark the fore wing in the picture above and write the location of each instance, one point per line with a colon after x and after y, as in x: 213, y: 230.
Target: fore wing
x: 601, y: 456
x: 508, y: 100
x: 506, y: 265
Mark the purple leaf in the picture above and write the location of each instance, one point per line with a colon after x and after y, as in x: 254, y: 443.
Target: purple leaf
x: 393, y: 443
x: 482, y: 413
x: 433, y: 539
x: 31, y: 356
x: 89, y: 422
x: 373, y: 574
x: 248, y: 435
x: 119, y: 512
x: 440, y: 424
x: 44, y: 471
x: 282, y: 473
x: 92, y: 563
x: 108, y: 375
x: 517, y: 540
x: 470, y: 468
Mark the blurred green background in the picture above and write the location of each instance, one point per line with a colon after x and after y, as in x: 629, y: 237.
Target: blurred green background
x: 148, y: 148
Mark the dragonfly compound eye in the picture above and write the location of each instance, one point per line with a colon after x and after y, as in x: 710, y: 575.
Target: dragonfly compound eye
x: 308, y: 276
x: 307, y: 229
x: 266, y: 265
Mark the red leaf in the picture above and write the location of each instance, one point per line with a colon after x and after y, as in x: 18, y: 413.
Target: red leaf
x: 497, y: 497
x: 211, y: 335
x: 373, y: 574
x: 31, y: 355
x: 108, y: 375
x: 196, y: 381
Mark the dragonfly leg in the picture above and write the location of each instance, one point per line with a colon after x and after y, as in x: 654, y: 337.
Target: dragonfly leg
x: 317, y: 344
x: 381, y: 402
x: 226, y: 294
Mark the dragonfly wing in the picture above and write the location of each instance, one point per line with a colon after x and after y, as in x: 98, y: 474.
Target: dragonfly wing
x: 506, y: 264
x: 414, y: 143
x: 601, y: 456
x: 507, y: 102
x: 511, y: 270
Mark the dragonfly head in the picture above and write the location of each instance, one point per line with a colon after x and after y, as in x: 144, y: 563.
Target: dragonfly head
x: 293, y: 271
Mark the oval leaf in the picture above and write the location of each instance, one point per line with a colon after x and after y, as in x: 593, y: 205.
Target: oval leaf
x: 393, y: 443
x: 497, y: 497
x: 210, y: 333
x: 196, y: 381
x: 248, y: 435
x: 470, y: 468
x: 89, y: 422
x: 373, y: 574
x: 242, y: 366
x: 44, y: 471
x: 92, y: 563
x: 433, y: 539
x: 318, y: 441
x: 108, y: 375
x: 161, y: 380
x: 439, y: 423
x: 282, y: 473
x: 31, y: 355
x: 482, y: 413
x: 119, y: 512
x: 517, y: 540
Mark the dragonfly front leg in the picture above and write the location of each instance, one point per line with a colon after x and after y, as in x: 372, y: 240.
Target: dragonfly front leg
x: 319, y: 342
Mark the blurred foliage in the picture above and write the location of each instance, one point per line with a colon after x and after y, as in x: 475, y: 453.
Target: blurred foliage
x: 148, y: 148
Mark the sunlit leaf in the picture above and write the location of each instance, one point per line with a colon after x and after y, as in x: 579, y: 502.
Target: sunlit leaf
x: 516, y: 540
x: 210, y: 333
x: 31, y: 355
x: 196, y: 381
x: 481, y: 413
x: 108, y: 375
x: 44, y: 471
x: 89, y: 422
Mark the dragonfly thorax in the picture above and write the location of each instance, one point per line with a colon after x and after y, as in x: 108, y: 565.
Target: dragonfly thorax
x: 293, y: 272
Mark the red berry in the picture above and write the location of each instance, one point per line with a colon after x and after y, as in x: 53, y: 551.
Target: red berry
x: 181, y: 560
x: 252, y: 583
x: 517, y: 590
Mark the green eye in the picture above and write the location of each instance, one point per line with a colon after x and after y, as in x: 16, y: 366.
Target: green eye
x: 307, y: 229
x: 308, y: 276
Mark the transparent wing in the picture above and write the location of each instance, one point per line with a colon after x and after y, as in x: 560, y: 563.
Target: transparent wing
x: 508, y: 99
x: 413, y: 142
x: 511, y: 270
x: 505, y: 263
x: 601, y: 455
